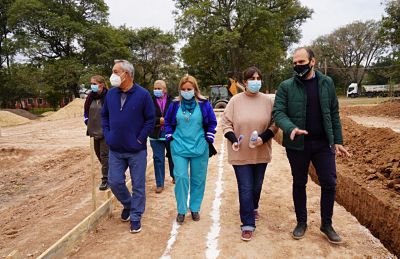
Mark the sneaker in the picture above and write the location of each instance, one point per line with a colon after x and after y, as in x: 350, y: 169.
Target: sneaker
x: 159, y: 189
x: 195, y: 216
x: 299, y: 230
x: 180, y: 218
x: 136, y: 227
x: 125, y: 215
x: 103, y: 186
x: 256, y: 215
x: 331, y: 234
x: 246, y: 235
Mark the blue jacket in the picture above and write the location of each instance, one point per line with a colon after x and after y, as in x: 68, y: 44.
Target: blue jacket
x: 126, y: 128
x: 209, y: 120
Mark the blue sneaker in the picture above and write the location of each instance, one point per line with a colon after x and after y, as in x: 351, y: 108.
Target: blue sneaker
x: 125, y: 215
x: 136, y: 227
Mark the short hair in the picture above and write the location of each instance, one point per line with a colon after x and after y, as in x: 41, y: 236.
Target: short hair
x: 162, y: 83
x: 310, y: 52
x: 100, y: 79
x: 126, y: 66
x: 249, y: 72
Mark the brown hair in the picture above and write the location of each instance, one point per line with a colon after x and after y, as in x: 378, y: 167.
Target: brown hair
x: 100, y: 79
x: 249, y: 72
x: 310, y: 52
x: 193, y: 81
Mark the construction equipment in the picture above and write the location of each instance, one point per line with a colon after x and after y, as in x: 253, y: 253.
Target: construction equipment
x: 221, y: 94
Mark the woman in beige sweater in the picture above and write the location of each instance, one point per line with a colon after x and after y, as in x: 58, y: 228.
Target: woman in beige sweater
x: 245, y: 113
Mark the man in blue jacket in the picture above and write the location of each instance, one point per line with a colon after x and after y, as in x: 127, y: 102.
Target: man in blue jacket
x: 127, y: 120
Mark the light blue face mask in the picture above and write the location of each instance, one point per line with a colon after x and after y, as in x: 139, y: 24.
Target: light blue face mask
x: 95, y: 88
x: 158, y: 93
x: 254, y: 86
x: 188, y: 95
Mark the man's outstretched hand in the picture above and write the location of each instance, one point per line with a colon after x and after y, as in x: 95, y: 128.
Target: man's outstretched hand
x: 297, y: 131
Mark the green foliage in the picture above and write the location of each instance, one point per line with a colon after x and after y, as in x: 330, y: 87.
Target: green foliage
x: 153, y: 53
x: 350, y: 50
x: 103, y: 44
x: 225, y: 37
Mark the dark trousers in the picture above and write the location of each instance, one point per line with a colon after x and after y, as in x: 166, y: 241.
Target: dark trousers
x: 323, y: 158
x: 101, y: 150
x: 250, y: 179
x: 159, y: 147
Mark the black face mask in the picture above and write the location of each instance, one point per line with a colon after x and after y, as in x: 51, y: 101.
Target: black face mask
x: 302, y: 71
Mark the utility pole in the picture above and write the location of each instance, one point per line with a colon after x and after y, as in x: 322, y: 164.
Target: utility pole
x: 326, y: 68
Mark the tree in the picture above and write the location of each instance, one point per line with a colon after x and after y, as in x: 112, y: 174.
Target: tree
x: 102, y: 44
x: 391, y: 32
x: 50, y: 29
x: 152, y: 49
x: 351, y: 49
x: 6, y: 44
x: 226, y: 36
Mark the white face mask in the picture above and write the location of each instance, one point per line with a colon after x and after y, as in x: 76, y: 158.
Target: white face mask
x: 115, y: 80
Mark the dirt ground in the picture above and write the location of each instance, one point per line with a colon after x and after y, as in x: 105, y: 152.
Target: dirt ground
x: 272, y: 238
x: 45, y: 191
x: 44, y: 184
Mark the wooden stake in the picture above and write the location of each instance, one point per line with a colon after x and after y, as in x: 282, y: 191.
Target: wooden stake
x: 14, y: 255
x: 94, y: 202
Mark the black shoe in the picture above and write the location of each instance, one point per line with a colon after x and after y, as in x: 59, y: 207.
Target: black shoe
x: 195, y: 216
x: 136, y: 227
x: 180, y: 218
x: 103, y: 186
x: 331, y: 234
x: 299, y: 230
x: 125, y: 215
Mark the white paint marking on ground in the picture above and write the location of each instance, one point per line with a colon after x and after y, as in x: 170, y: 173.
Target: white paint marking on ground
x: 171, y: 240
x: 176, y: 226
x: 212, y: 237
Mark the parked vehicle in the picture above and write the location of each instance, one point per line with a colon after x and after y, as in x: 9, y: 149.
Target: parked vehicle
x: 372, y: 90
x: 221, y: 94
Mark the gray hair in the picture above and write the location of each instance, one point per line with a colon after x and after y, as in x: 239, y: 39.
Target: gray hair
x: 126, y: 66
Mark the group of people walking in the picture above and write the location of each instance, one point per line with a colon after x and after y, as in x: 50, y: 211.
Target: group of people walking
x: 183, y: 130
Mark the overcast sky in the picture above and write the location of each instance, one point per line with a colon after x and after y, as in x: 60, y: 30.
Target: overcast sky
x: 328, y: 14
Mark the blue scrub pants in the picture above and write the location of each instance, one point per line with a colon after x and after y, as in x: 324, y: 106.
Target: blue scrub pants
x: 196, y: 181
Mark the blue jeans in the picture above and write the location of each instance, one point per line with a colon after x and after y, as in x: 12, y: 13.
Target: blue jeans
x: 250, y: 179
x: 323, y: 158
x: 159, y: 147
x: 118, y: 163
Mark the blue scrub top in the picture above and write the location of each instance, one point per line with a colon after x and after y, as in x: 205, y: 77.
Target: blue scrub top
x: 188, y: 138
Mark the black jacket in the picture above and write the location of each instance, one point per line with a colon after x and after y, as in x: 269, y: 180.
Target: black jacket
x: 156, y: 132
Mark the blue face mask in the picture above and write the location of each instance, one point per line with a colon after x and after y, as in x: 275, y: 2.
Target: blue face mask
x: 188, y: 95
x: 95, y: 88
x: 254, y: 86
x: 158, y: 93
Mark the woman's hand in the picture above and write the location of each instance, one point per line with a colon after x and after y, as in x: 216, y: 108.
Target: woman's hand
x: 235, y: 146
x: 258, y: 142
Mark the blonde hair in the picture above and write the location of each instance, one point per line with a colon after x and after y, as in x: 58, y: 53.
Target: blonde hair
x: 100, y: 79
x: 162, y: 83
x: 188, y: 78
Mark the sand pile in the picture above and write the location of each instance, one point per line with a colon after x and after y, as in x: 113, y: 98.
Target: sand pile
x: 72, y: 110
x: 45, y: 114
x: 11, y: 119
x: 375, y: 153
x: 385, y: 109
x: 23, y: 113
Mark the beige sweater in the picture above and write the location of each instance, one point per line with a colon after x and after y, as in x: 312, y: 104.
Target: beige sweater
x: 244, y: 114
